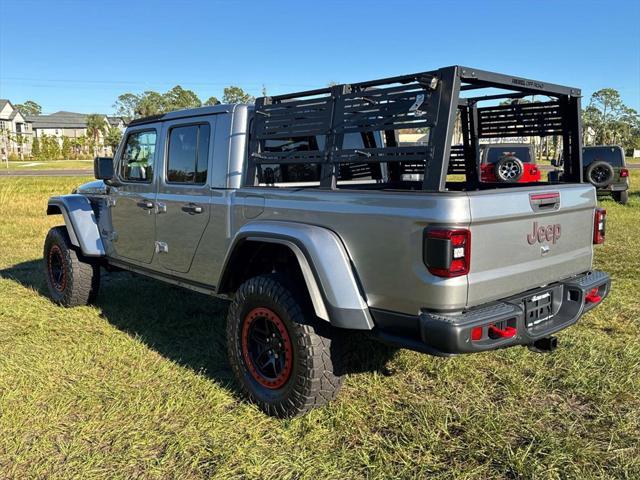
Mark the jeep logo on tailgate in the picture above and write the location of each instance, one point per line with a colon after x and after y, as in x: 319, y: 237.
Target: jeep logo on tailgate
x: 550, y: 233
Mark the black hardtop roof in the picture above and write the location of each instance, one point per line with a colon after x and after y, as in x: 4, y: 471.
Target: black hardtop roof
x: 185, y: 113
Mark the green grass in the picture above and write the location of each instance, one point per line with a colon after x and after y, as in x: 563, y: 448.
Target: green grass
x: 50, y: 165
x: 139, y: 386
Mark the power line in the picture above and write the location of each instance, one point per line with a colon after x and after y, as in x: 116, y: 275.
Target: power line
x: 146, y: 84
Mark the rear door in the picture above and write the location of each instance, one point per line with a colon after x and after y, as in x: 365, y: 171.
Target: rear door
x: 184, y: 191
x: 522, y: 238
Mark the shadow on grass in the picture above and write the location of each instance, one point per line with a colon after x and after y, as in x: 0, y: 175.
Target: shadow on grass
x: 184, y: 326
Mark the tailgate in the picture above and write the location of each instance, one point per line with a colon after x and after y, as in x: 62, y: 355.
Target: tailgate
x: 522, y: 238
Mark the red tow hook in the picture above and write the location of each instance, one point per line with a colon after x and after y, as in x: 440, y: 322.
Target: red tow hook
x: 592, y: 296
x: 508, y: 332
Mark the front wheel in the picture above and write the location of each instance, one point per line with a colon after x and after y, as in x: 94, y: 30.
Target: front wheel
x: 622, y: 197
x: 282, y: 356
x: 71, y: 278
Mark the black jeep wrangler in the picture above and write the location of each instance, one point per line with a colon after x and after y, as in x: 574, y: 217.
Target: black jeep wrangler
x: 605, y: 168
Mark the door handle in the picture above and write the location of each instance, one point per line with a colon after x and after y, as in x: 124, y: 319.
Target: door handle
x: 146, y: 204
x: 192, y: 209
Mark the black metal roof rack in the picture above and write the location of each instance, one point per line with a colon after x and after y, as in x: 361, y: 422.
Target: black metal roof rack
x: 428, y: 100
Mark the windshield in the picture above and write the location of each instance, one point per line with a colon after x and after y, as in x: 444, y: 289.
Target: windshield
x: 611, y: 155
x: 493, y: 154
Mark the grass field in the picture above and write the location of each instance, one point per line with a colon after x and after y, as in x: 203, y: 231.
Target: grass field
x: 50, y: 165
x: 138, y: 386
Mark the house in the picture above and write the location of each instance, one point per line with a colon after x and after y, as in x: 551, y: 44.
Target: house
x: 117, y: 122
x: 72, y: 125
x: 15, y: 131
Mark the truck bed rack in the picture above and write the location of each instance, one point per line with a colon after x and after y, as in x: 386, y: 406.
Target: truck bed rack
x: 308, y: 130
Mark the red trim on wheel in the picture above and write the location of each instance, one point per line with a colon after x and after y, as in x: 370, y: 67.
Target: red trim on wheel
x: 279, y: 343
x: 60, y: 284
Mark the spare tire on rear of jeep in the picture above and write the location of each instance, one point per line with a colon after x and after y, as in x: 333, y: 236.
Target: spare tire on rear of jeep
x: 599, y: 174
x: 509, y: 169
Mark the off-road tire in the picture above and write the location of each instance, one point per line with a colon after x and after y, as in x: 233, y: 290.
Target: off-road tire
x: 516, y: 169
x: 622, y: 196
x: 72, y: 279
x: 313, y: 379
x: 603, y: 168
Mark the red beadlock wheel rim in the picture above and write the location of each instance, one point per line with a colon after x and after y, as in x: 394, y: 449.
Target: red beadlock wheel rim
x: 266, y: 348
x: 57, y: 269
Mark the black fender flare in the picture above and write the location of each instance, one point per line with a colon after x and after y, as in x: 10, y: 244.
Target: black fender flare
x: 325, y: 264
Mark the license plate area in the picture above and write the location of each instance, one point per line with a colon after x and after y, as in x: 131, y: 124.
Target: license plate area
x: 538, y: 308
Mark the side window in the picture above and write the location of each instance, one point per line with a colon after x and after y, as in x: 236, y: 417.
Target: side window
x: 137, y: 157
x: 188, y: 154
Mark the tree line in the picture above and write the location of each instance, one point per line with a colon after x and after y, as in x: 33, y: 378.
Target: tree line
x: 150, y: 102
x: 607, y: 120
x: 610, y: 122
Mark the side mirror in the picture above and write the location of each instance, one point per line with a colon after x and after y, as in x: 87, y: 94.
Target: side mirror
x: 554, y: 162
x: 103, y: 168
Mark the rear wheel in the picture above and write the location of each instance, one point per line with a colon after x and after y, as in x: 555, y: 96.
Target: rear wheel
x: 622, y: 197
x: 71, y: 278
x: 282, y: 356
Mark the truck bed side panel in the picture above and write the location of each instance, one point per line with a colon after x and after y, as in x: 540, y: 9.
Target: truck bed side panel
x: 383, y: 234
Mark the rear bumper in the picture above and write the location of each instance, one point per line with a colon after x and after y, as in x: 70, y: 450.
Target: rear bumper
x: 615, y: 187
x: 505, y: 323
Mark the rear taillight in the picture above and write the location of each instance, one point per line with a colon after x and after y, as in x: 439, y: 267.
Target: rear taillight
x: 447, y: 253
x: 599, y: 225
x: 624, y: 173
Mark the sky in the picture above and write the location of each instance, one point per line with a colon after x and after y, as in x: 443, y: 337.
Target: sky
x: 80, y: 55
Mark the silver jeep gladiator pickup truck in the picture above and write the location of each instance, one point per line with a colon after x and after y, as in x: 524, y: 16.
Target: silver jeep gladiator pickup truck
x: 307, y: 213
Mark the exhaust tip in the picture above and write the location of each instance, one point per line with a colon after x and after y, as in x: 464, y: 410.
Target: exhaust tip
x: 544, y: 345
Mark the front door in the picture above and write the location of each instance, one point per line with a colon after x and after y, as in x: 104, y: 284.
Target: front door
x: 133, y: 210
x: 184, y: 192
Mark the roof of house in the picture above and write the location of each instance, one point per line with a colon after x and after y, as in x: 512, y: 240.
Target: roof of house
x: 115, y: 121
x: 65, y: 119
x: 3, y: 102
x: 60, y: 119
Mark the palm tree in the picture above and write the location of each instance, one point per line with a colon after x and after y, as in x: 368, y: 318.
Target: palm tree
x: 95, y: 127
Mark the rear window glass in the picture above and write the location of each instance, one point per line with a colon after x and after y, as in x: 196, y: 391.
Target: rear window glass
x: 611, y: 155
x: 494, y: 154
x: 292, y: 173
x: 295, y: 144
x: 310, y: 172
